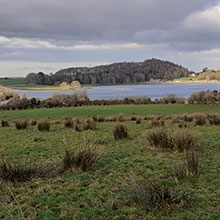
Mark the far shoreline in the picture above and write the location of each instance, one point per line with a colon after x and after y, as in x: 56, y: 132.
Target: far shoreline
x: 52, y: 88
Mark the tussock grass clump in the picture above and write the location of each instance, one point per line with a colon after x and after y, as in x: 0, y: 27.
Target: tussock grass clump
x: 4, y: 123
x: 82, y: 160
x: 78, y: 124
x: 121, y: 117
x: 214, y: 120
x: 133, y: 118
x: 68, y: 122
x: 33, y: 122
x: 188, y: 118
x: 180, y: 171
x: 78, y: 127
x: 17, y: 172
x: 21, y: 124
x: 101, y: 119
x: 95, y: 118
x: 159, y: 137
x: 183, y: 140
x: 157, y: 123
x: 43, y: 125
x: 14, y: 172
x: 200, y: 120
x: 138, y: 120
x: 120, y: 132
x: 153, y: 195
x: 83, y: 125
x: 182, y: 125
x: 89, y: 125
x: 175, y: 121
x: 192, y: 163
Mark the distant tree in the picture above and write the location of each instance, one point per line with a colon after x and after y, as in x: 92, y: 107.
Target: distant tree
x: 205, y: 69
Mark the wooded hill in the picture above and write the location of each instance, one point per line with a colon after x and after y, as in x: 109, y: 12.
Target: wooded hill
x: 113, y: 74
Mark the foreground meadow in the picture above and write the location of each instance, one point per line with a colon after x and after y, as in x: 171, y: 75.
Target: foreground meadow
x: 112, y: 188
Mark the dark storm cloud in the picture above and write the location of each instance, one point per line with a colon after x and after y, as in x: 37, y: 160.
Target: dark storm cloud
x: 96, y: 20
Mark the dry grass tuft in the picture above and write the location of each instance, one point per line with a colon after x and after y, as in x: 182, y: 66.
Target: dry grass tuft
x: 4, y: 123
x: 159, y: 137
x: 21, y: 124
x: 82, y: 160
x: 120, y: 132
x: 68, y: 122
x: 43, y: 125
x: 183, y: 140
x: 154, y: 196
x: 14, y: 172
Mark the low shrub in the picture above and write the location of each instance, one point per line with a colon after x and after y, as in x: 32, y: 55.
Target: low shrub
x: 82, y: 160
x: 4, y: 123
x: 204, y: 97
x: 43, y: 125
x: 21, y: 124
x: 152, y: 195
x: 172, y: 99
x: 120, y: 132
x: 158, y: 137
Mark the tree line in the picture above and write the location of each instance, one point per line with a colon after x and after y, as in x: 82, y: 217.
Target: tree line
x: 113, y: 74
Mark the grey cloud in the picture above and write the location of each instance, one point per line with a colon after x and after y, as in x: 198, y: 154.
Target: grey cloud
x: 96, y: 30
x: 92, y: 20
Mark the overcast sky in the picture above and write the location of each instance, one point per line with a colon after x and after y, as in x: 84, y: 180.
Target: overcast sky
x: 46, y: 35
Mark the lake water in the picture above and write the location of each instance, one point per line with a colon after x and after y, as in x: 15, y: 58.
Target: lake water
x: 154, y: 91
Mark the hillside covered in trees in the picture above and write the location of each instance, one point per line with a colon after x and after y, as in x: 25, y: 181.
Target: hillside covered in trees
x: 113, y: 74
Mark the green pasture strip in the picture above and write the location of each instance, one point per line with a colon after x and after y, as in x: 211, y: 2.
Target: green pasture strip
x: 13, y: 82
x: 87, y: 111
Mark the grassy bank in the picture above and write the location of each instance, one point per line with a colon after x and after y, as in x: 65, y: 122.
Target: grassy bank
x: 104, y: 192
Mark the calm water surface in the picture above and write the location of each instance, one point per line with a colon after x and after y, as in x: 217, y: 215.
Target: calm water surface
x: 121, y: 91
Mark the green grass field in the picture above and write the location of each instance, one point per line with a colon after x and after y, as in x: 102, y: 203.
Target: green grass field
x: 103, y: 192
x: 13, y: 82
x: 87, y: 111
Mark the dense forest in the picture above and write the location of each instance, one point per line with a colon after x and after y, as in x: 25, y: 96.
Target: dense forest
x: 116, y: 73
